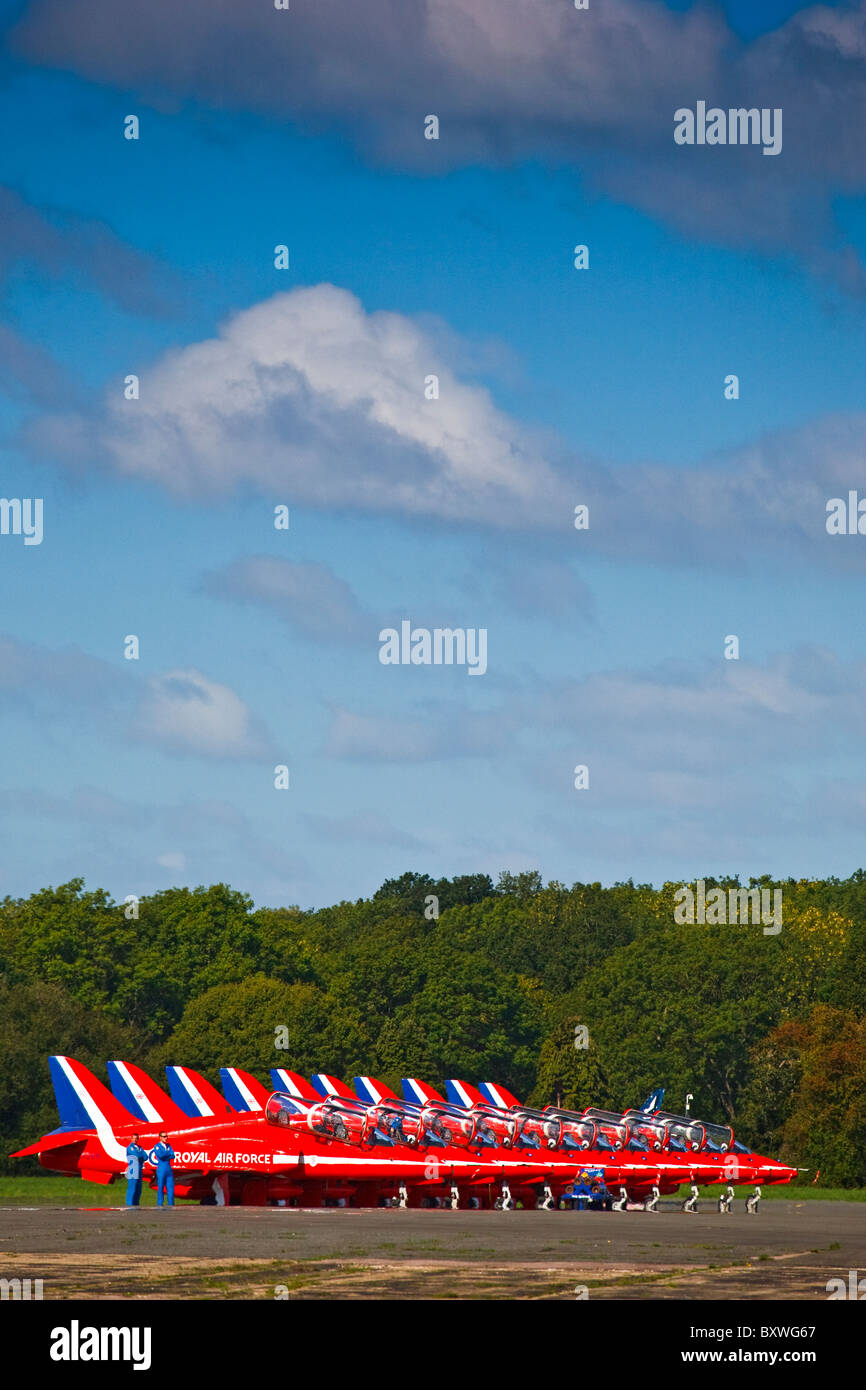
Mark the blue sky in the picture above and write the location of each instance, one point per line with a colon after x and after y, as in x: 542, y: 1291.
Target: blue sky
x: 305, y: 387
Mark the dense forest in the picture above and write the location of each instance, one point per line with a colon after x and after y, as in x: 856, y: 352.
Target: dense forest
x: 768, y: 1032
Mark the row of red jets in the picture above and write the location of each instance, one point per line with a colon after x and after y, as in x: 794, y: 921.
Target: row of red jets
x: 321, y: 1143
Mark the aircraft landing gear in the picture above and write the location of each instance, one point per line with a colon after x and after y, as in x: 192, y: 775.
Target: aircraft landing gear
x: 403, y: 1200
x: 691, y: 1203
x: 620, y: 1204
x: 455, y: 1198
x: 545, y: 1203
x: 652, y: 1204
x: 752, y: 1202
x: 506, y: 1201
x: 726, y: 1200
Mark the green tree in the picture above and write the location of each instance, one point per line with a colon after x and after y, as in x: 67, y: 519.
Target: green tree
x: 570, y: 1077
x: 38, y: 1019
x: 826, y: 1129
x: 242, y: 1024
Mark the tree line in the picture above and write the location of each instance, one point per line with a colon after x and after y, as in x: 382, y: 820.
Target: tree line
x: 582, y: 995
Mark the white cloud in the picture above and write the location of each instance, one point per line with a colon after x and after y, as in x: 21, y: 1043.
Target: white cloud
x: 182, y: 711
x: 307, y: 395
x: 309, y: 597
x: 307, y: 392
x: 185, y: 712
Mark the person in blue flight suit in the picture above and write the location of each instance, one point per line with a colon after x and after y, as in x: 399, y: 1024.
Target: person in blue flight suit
x: 161, y: 1156
x: 135, y: 1158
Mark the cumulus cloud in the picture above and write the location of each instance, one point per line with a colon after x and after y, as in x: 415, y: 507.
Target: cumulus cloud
x: 184, y: 712
x: 682, y: 719
x: 307, y: 395
x: 310, y: 598
x: 179, y: 711
x: 674, y: 721
x: 516, y: 79
x: 307, y: 391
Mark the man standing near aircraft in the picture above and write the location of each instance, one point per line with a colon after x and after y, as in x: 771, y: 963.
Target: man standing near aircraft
x: 135, y: 1158
x: 161, y: 1156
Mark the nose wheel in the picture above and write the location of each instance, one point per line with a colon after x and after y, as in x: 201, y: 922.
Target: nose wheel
x: 726, y: 1200
x: 691, y: 1203
x: 652, y: 1204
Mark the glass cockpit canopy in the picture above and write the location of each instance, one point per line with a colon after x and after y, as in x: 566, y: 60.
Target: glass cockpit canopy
x: 697, y: 1131
x: 280, y: 1108
x: 635, y: 1118
x: 612, y: 1119
x: 576, y: 1124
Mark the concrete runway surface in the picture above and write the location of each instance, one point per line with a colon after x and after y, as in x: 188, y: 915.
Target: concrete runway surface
x: 788, y: 1251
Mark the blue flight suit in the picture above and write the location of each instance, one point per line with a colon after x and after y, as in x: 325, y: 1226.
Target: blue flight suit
x: 161, y: 1155
x: 135, y: 1157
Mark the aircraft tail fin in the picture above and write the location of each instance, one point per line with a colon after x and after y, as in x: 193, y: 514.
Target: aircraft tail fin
x: 461, y: 1093
x: 82, y: 1100
x: 85, y: 1104
x: 332, y: 1086
x: 196, y: 1097
x: 147, y: 1101
x: 419, y: 1092
x: 293, y: 1084
x: 242, y: 1090
x: 497, y: 1095
x: 369, y: 1089
x: 654, y: 1100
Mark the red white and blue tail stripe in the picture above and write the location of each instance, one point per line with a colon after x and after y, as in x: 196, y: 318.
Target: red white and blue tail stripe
x: 196, y: 1097
x: 135, y: 1089
x: 497, y: 1095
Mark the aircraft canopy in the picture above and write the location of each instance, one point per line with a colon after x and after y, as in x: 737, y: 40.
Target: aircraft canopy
x: 279, y: 1107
